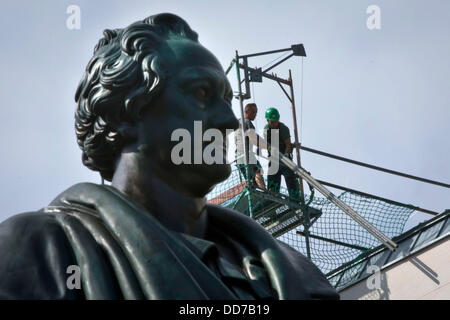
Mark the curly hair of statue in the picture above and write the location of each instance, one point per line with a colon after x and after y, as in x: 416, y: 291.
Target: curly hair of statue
x: 118, y: 85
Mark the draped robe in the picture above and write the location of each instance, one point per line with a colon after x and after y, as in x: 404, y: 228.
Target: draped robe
x: 123, y: 252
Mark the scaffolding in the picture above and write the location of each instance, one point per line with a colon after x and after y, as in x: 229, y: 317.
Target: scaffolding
x: 312, y: 224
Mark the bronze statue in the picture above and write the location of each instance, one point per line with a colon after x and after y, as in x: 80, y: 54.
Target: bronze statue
x: 150, y: 234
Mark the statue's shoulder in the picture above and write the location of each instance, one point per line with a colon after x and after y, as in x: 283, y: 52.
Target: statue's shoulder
x: 33, y: 221
x: 240, y: 221
x: 247, y: 231
x: 35, y: 253
x: 29, y: 228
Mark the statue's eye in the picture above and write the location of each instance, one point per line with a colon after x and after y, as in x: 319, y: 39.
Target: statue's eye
x: 201, y: 93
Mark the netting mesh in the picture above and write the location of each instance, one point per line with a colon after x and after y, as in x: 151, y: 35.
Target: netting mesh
x: 334, y: 238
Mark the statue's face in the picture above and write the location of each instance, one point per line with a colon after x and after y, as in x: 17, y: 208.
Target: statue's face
x: 196, y: 89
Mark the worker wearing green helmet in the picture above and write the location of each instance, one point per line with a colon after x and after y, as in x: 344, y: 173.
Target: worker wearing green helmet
x: 285, y: 147
x: 272, y: 114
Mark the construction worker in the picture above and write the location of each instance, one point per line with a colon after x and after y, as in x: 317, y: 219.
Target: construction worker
x: 285, y: 147
x: 254, y: 167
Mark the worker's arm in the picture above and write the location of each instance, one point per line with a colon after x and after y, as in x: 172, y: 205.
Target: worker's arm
x: 288, y: 144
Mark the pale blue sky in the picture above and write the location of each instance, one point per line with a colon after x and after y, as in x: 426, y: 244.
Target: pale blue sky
x: 380, y: 96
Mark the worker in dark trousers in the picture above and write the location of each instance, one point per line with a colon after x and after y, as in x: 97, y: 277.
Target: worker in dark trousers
x: 285, y: 147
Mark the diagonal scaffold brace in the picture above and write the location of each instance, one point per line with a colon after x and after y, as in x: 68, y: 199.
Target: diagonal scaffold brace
x: 256, y: 139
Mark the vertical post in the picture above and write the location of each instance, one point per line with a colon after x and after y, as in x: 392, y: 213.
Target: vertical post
x: 307, y: 224
x: 297, y: 143
x: 241, y: 105
x: 305, y: 210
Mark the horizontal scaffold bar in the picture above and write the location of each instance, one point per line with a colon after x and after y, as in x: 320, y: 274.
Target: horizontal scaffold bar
x: 442, y: 184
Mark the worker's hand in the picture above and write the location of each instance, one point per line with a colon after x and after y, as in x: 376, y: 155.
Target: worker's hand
x: 288, y: 144
x: 296, y: 144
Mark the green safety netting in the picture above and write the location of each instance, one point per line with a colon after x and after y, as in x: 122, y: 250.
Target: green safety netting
x: 334, y: 238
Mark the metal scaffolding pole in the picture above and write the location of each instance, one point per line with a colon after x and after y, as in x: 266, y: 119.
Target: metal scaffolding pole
x: 297, y: 143
x: 244, y: 145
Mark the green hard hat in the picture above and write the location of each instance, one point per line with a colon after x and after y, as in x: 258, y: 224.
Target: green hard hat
x: 272, y: 114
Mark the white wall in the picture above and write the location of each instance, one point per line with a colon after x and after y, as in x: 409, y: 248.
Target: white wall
x: 422, y: 276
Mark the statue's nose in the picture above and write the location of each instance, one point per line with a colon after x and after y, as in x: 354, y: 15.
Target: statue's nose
x: 231, y: 122
x: 224, y: 119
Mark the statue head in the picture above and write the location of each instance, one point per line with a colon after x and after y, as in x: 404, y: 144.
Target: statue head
x: 142, y: 83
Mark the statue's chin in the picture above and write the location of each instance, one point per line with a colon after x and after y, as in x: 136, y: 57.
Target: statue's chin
x: 205, y: 177
x: 220, y: 172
